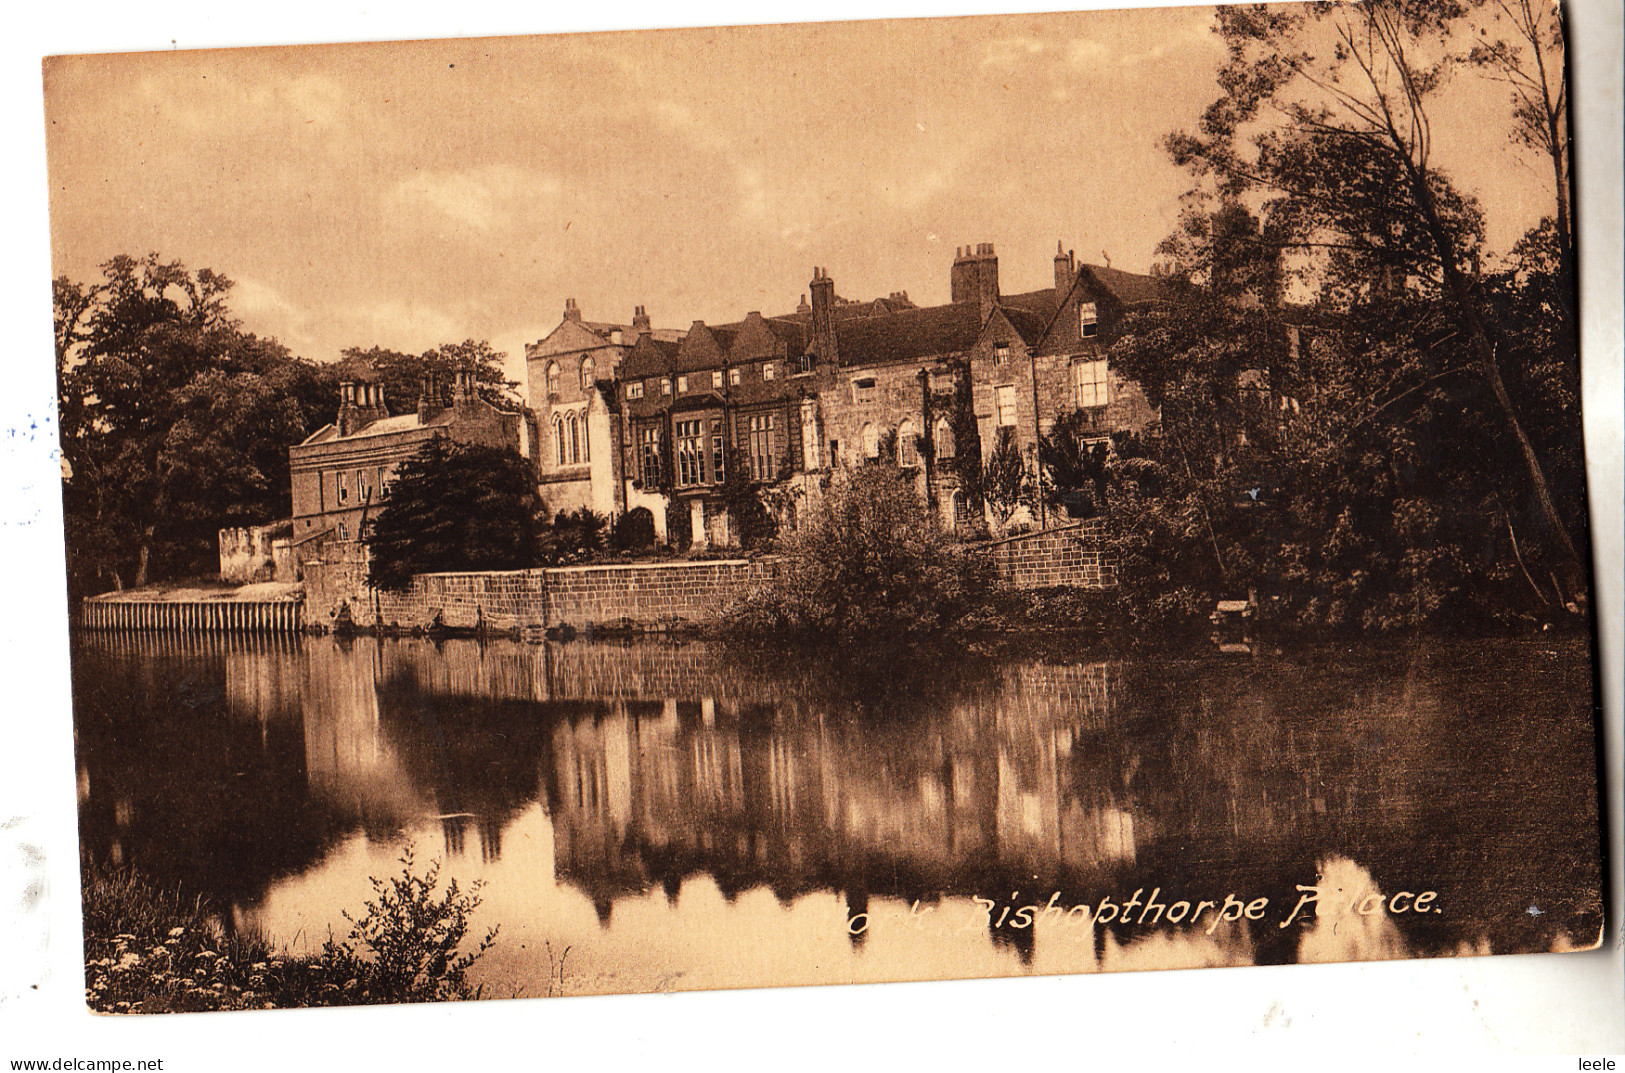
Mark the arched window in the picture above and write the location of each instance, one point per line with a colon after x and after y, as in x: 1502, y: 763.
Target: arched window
x: 552, y: 378
x: 945, y: 438
x: 586, y: 443
x: 588, y: 371
x: 559, y: 457
x: 908, y: 453
x: 871, y: 441
x: 575, y: 438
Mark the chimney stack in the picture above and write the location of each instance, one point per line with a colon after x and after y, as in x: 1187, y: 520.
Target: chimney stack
x: 824, y: 343
x: 640, y: 321
x: 570, y: 310
x: 347, y: 408
x: 975, y: 277
x: 1066, y: 270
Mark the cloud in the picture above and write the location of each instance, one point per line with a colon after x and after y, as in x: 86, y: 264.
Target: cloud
x: 481, y: 199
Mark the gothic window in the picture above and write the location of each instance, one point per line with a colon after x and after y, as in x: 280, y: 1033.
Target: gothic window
x: 575, y: 438
x: 559, y: 457
x: 871, y: 441
x: 588, y: 369
x: 1087, y: 320
x: 945, y: 438
x: 690, y: 452
x: 908, y: 453
x: 764, y: 462
x: 552, y: 378
x: 1091, y: 385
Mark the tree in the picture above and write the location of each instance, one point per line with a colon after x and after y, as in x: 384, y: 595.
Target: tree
x: 1348, y: 166
x: 1074, y: 464
x: 174, y: 422
x: 869, y: 566
x: 744, y: 497
x: 402, y: 375
x: 455, y: 507
x: 1005, y: 483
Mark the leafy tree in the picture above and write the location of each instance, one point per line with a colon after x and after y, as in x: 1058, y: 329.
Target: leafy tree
x: 574, y: 537
x: 1005, y: 482
x: 744, y: 497
x: 174, y: 422
x: 868, y: 566
x: 1325, y: 113
x: 1074, y: 464
x: 402, y: 374
x: 455, y: 507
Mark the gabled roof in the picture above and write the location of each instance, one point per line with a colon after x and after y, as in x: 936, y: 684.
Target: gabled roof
x: 1130, y: 288
x: 649, y: 357
x: 1028, y: 324
x: 912, y: 333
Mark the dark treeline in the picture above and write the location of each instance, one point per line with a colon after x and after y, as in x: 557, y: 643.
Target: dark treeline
x: 176, y: 423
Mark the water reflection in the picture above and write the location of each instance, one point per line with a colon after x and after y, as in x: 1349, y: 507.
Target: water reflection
x: 682, y: 817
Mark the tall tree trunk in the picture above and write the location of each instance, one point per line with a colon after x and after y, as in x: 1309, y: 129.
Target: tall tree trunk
x: 1484, y: 356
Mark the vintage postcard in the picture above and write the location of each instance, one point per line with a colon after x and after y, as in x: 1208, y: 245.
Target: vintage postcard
x: 830, y: 503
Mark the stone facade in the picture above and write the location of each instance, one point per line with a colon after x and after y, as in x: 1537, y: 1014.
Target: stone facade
x: 798, y: 395
x: 257, y: 553
x: 342, y: 471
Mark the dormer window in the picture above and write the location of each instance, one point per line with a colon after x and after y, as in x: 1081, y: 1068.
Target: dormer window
x: 634, y: 390
x: 716, y: 379
x: 733, y: 377
x: 767, y: 370
x: 1087, y: 320
x: 665, y: 386
x: 682, y: 385
x: 615, y: 337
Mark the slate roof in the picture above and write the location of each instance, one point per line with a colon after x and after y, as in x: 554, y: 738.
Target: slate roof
x: 658, y: 360
x: 913, y: 333
x: 1028, y: 324
x: 1130, y: 288
x: 382, y: 427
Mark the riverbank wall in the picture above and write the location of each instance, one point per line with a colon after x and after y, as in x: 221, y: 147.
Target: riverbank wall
x: 647, y: 596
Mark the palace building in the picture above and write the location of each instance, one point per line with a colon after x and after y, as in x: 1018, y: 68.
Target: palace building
x: 654, y: 419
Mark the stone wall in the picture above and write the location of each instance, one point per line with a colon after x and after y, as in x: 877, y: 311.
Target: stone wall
x: 648, y: 594
x: 1071, y: 555
x: 259, y: 553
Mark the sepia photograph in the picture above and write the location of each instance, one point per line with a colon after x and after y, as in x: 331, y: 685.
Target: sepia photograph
x: 848, y: 502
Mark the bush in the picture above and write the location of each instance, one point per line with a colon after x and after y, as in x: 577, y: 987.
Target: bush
x: 574, y: 537
x: 634, y: 531
x: 870, y: 564
x: 412, y: 937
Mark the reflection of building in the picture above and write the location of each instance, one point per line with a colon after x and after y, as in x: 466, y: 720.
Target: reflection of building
x: 653, y: 791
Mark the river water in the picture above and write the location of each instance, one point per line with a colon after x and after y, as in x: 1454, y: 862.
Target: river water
x: 676, y: 816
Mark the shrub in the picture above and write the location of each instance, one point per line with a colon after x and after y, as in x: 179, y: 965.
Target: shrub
x: 412, y: 937
x: 634, y: 530
x: 869, y: 564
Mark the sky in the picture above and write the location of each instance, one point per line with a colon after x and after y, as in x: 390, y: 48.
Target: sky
x: 410, y: 194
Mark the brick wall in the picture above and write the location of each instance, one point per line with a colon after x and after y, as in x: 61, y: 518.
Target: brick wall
x: 1070, y: 555
x: 579, y: 596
